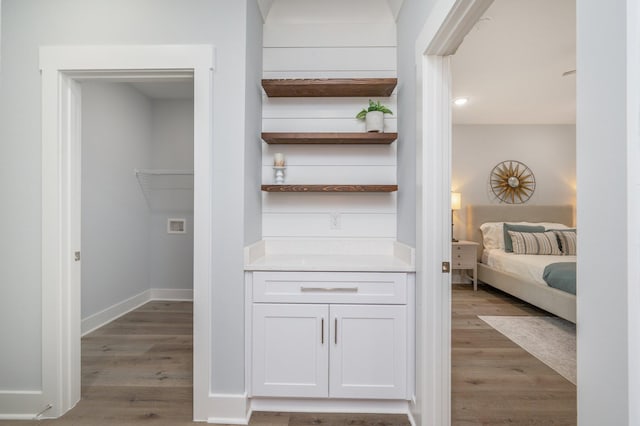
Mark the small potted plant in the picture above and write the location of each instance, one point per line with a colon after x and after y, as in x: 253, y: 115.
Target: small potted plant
x: 374, y: 116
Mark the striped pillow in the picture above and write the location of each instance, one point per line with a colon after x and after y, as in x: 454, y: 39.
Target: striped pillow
x: 568, y: 241
x: 535, y: 243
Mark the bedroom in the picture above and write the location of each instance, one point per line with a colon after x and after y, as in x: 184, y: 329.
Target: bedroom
x: 520, y: 107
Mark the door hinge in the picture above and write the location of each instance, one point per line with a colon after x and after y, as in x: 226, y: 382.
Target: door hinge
x: 76, y: 256
x: 446, y: 267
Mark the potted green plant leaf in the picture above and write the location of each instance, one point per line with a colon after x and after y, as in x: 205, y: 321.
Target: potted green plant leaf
x: 374, y: 116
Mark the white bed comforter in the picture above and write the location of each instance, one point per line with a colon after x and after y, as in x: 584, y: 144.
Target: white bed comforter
x: 526, y: 266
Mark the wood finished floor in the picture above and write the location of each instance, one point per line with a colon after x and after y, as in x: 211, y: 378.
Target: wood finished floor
x: 137, y: 370
x: 494, y: 381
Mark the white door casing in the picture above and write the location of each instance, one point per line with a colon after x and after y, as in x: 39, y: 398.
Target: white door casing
x: 444, y: 30
x: 62, y: 67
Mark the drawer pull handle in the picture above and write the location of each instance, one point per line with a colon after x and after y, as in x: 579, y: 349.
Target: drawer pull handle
x: 335, y: 334
x: 322, y: 332
x: 330, y: 289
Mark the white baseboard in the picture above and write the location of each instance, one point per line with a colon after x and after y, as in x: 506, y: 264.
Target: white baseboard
x: 174, y: 294
x: 105, y: 316
x: 20, y: 405
x: 322, y: 405
x: 117, y: 310
x: 228, y: 409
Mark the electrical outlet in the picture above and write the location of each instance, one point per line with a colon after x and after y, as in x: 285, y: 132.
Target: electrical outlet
x: 334, y: 220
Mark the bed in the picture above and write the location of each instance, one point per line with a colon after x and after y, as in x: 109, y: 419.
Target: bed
x: 524, y: 287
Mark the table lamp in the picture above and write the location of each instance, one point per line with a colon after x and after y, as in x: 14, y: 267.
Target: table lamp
x: 456, y: 201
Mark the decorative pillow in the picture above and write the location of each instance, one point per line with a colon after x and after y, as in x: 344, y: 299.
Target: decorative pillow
x: 567, y: 238
x: 508, y: 245
x: 548, y: 226
x: 492, y: 237
x: 535, y: 243
x: 493, y: 232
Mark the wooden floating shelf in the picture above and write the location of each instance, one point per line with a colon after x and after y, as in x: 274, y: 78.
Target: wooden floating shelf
x: 330, y: 188
x: 329, y: 87
x: 329, y: 138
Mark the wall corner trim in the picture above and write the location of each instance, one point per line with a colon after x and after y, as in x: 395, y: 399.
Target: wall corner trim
x: 228, y: 409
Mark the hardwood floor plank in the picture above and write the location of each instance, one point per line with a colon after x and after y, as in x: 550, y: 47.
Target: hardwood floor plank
x: 494, y: 381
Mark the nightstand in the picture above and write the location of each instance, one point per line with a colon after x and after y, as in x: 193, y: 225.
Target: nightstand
x: 464, y: 257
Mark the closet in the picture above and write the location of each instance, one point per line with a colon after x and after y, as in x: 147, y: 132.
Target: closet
x: 137, y: 196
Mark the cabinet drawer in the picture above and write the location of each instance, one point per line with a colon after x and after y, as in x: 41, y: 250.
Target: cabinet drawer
x: 330, y: 287
x: 459, y: 264
x: 463, y: 256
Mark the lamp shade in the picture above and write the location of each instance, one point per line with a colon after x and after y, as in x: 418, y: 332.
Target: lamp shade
x: 456, y: 201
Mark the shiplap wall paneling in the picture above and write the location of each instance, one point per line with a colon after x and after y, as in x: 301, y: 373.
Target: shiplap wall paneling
x: 321, y: 124
x: 319, y: 59
x: 325, y: 203
x: 345, y: 155
x: 328, y: 50
x: 318, y: 225
x: 343, y: 34
x: 338, y: 108
x: 330, y: 174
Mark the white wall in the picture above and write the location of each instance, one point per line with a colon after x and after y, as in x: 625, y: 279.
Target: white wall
x: 548, y: 150
x: 172, y: 134
x: 253, y: 126
x: 606, y: 133
x: 171, y: 255
x: 319, y: 40
x: 633, y: 158
x: 116, y: 138
x: 230, y: 21
x: 28, y: 24
x: 411, y: 20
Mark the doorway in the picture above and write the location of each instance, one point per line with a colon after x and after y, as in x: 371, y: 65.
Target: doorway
x: 137, y: 195
x: 62, y: 70
x: 137, y: 244
x: 442, y: 34
x: 523, y: 110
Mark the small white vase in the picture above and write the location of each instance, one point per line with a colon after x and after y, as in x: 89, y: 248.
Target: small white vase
x: 375, y: 121
x: 278, y: 174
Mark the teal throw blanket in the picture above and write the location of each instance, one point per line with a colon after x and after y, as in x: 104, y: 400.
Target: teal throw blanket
x: 561, y: 275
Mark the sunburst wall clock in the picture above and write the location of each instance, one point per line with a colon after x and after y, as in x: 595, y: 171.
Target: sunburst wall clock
x: 512, y: 182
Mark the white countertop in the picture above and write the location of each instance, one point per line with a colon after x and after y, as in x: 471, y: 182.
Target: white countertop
x: 330, y: 255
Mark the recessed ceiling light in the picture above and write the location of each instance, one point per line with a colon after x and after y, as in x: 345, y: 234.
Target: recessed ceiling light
x: 460, y: 101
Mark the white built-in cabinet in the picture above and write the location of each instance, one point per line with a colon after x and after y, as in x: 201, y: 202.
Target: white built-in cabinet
x: 330, y: 335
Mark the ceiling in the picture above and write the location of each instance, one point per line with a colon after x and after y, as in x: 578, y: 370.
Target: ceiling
x: 511, y: 63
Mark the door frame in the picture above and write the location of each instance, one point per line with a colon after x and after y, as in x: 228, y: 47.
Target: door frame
x: 61, y: 69
x: 447, y: 25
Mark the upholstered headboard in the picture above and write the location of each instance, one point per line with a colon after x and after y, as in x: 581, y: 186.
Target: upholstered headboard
x: 477, y: 215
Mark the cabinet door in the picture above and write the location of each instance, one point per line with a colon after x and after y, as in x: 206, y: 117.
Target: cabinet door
x: 368, y: 356
x: 290, y: 350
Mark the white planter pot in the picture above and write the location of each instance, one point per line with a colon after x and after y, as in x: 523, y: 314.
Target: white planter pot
x: 375, y: 121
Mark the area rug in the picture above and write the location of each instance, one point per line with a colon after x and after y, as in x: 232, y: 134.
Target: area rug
x: 550, y: 339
